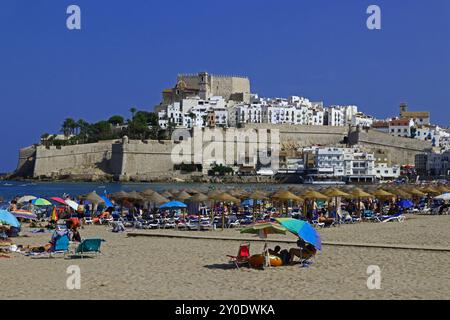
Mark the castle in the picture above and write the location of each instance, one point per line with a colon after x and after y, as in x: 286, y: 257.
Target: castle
x: 205, y: 86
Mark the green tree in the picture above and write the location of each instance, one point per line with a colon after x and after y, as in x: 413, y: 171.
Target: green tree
x: 116, y: 120
x: 68, y: 127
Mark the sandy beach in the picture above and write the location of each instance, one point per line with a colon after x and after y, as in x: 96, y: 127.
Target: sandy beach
x: 170, y: 268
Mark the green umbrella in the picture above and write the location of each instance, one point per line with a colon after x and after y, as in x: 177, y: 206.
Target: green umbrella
x: 263, y: 229
x: 41, y: 202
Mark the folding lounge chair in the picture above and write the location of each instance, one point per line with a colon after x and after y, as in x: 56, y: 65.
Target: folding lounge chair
x: 60, y: 245
x: 398, y: 217
x: 242, y: 257
x: 89, y: 246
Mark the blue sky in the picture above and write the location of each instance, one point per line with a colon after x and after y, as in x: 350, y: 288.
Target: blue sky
x: 129, y: 51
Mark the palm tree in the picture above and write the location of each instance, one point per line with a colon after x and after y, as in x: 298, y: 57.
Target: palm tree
x: 133, y: 112
x: 68, y: 126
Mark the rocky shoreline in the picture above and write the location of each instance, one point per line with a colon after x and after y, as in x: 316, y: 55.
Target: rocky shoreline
x: 162, y: 179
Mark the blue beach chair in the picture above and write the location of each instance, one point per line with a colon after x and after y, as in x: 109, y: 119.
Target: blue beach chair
x: 89, y: 246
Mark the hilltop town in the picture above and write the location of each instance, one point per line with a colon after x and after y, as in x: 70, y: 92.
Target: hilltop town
x: 316, y: 142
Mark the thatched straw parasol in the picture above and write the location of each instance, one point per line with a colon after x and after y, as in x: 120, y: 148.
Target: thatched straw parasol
x: 148, y: 192
x: 226, y: 198
x: 430, y: 190
x: 93, y: 197
x: 314, y: 195
x: 285, y: 195
x: 183, y: 196
x: 119, y: 195
x: 382, y: 194
x: 199, y: 197
x: 415, y: 192
x: 157, y: 199
x: 400, y: 193
x: 358, y: 193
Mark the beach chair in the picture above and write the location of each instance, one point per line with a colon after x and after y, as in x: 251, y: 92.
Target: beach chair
x: 88, y: 219
x: 397, y: 217
x: 60, y: 245
x: 242, y: 257
x: 315, y: 222
x: 89, y: 246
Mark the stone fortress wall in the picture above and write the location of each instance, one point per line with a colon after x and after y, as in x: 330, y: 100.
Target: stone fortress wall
x: 145, y: 160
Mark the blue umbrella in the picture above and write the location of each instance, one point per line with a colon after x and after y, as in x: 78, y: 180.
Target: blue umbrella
x: 407, y: 204
x: 250, y: 202
x: 8, y: 218
x: 303, y: 230
x: 108, y: 202
x: 173, y: 204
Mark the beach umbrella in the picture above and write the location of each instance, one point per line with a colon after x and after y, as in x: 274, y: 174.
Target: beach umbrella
x: 262, y: 230
x: 157, y: 199
x: 107, y: 202
x: 358, y: 193
x: 59, y: 200
x: 415, y: 192
x: 41, y: 202
x: 119, y: 195
x: 196, y: 199
x: 334, y: 192
x: 400, y: 193
x: 380, y: 193
x: 173, y: 205
x: 314, y: 195
x: 445, y: 197
x: 199, y: 197
x: 26, y: 199
x: 430, y: 190
x: 405, y: 203
x: 303, y: 230
x: 442, y: 189
x: 167, y: 194
x: 148, y: 192
x: 7, y: 218
x: 136, y: 196
x: 183, y: 196
x: 257, y: 197
x: 24, y: 214
x: 93, y: 197
x: 226, y: 198
x: 72, y: 204
x: 284, y: 196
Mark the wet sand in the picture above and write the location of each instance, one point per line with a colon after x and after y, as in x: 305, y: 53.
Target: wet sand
x: 170, y: 268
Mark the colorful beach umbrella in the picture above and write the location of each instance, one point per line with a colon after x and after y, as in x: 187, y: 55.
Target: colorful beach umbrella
x: 9, y: 219
x: 24, y: 214
x: 41, y: 202
x: 26, y: 199
x: 264, y: 229
x: 303, y: 230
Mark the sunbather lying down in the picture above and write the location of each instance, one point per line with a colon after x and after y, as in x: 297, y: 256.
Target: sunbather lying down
x: 35, y: 249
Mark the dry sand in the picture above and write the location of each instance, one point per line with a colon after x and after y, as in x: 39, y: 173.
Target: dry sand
x: 167, y: 268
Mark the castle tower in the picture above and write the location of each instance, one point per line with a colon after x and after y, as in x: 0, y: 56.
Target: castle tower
x: 204, y: 90
x: 403, y: 109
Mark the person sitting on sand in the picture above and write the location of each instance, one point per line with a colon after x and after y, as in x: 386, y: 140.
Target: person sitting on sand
x: 323, y: 219
x: 275, y: 251
x: 304, y: 251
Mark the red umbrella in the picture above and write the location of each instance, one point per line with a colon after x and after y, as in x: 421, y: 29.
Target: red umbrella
x: 59, y: 200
